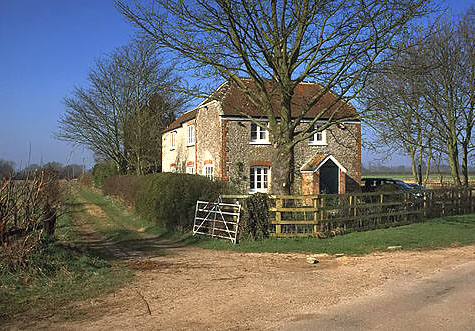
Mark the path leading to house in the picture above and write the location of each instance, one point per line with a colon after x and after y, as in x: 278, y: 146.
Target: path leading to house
x: 192, y: 288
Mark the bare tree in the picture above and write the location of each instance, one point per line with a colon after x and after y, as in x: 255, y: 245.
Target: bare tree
x: 143, y: 137
x: 393, y: 101
x: 7, y: 168
x: 424, y: 99
x: 266, y: 48
x: 121, y: 86
x: 448, y: 90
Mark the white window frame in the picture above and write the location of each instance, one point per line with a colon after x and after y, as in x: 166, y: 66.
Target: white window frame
x: 260, y: 131
x: 172, y: 140
x: 208, y: 171
x: 190, y: 169
x: 319, y: 138
x: 259, y: 176
x: 191, y: 135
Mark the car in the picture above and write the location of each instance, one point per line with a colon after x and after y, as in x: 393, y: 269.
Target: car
x: 381, y: 184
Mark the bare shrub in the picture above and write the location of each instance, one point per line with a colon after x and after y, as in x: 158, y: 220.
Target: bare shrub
x: 124, y: 188
x: 85, y: 180
x: 28, y: 211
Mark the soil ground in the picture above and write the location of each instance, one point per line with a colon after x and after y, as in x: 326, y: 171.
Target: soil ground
x: 192, y: 288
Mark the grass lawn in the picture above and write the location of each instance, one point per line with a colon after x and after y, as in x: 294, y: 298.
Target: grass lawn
x: 58, y: 274
x: 435, y: 233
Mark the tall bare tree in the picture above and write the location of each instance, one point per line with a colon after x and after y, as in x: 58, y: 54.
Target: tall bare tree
x: 277, y: 45
x: 393, y: 101
x: 121, y: 88
x: 427, y: 92
x: 448, y: 89
x: 143, y: 132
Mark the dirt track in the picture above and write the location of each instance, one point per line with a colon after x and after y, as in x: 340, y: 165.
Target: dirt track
x: 192, y: 288
x: 202, y: 289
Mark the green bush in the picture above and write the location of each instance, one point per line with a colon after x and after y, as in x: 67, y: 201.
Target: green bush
x: 101, y: 171
x: 255, y: 220
x: 169, y: 199
x: 124, y: 187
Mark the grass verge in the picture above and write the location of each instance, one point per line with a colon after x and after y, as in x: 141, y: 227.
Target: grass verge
x: 58, y: 273
x: 435, y: 233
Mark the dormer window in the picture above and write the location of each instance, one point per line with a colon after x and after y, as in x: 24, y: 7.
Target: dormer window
x: 259, y: 135
x: 318, y: 138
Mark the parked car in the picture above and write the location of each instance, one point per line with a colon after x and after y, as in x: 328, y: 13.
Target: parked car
x: 392, y: 185
x: 418, y: 190
x: 382, y: 184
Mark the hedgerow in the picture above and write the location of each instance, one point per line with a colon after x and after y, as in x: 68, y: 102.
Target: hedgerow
x: 169, y: 199
x: 124, y: 187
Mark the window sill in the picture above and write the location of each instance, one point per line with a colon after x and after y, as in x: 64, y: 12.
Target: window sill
x: 190, y: 145
x: 259, y: 143
x: 258, y: 191
x: 172, y: 149
x: 318, y: 144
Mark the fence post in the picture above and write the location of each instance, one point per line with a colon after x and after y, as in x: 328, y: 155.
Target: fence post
x: 381, y: 208
x: 322, y: 208
x: 315, y: 215
x: 470, y: 199
x: 425, y: 204
x: 278, y: 215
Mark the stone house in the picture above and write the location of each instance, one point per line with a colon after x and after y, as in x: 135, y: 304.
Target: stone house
x: 216, y: 140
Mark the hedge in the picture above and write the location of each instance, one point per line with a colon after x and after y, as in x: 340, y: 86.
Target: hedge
x: 101, y: 171
x: 169, y: 199
x: 124, y: 187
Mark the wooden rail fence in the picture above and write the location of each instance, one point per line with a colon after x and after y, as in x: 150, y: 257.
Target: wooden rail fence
x: 332, y: 214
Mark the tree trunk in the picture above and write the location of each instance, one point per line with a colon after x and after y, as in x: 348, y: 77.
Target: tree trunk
x: 454, y: 164
x: 429, y: 157
x: 282, y: 170
x: 465, y: 163
x: 413, y: 164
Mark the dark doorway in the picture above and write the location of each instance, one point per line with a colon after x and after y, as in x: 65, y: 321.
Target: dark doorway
x: 329, y: 178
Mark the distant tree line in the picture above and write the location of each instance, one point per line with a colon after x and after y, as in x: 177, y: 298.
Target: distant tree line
x: 70, y: 171
x: 403, y: 169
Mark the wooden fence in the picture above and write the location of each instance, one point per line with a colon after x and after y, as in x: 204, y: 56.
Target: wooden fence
x: 332, y: 214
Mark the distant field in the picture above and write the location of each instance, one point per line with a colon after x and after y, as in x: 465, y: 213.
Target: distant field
x: 434, y: 178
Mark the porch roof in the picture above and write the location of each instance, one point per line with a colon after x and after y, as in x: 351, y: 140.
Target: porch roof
x: 318, y: 160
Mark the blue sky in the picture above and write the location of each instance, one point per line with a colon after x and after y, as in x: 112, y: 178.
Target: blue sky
x: 46, y: 48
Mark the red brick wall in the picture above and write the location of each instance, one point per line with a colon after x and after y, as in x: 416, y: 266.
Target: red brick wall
x: 310, y: 183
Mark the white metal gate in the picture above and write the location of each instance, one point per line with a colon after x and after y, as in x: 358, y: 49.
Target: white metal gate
x: 217, y: 219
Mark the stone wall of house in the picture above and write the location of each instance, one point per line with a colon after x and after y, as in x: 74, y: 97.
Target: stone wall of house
x: 343, y: 144
x: 241, y: 154
x: 209, y: 139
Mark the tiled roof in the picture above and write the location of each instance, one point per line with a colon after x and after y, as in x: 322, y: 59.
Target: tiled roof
x: 313, y: 162
x: 235, y: 103
x: 188, y: 116
x: 318, y: 160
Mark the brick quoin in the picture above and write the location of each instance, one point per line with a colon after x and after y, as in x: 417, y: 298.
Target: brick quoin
x: 342, y: 186
x: 224, y: 151
x: 311, y: 183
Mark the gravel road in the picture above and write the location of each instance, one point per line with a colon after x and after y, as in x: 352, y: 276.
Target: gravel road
x: 443, y: 301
